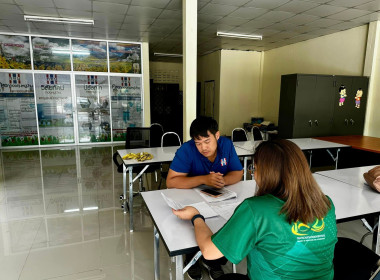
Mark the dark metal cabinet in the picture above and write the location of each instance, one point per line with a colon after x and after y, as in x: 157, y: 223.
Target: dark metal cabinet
x: 348, y: 119
x: 309, y: 106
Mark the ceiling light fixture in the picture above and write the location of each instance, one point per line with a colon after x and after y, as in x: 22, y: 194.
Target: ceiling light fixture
x: 59, y: 20
x: 168, y: 54
x: 241, y: 36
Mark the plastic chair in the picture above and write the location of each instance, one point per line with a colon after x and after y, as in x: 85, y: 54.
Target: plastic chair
x: 354, y: 261
x: 156, y: 132
x: 256, y: 133
x: 168, y: 139
x: 239, y: 134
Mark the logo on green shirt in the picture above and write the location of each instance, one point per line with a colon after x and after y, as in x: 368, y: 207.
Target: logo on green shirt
x: 302, y: 229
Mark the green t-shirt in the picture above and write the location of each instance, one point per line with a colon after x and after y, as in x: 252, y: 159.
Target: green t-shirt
x: 274, y: 248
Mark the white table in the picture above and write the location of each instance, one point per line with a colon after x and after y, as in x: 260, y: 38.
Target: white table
x: 305, y: 144
x: 352, y: 176
x: 178, y: 236
x: 160, y: 155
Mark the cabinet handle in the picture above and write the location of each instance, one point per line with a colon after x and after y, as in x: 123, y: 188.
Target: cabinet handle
x: 346, y: 121
x: 310, y: 123
x: 316, y: 122
x: 352, y: 121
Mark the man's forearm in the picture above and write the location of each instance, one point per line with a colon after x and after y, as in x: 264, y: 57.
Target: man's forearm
x: 233, y: 177
x: 184, y: 182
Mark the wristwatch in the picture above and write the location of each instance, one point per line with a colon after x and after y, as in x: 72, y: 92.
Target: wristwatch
x: 197, y: 216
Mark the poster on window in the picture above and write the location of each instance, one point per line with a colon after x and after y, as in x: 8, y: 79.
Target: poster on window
x: 89, y: 55
x: 14, y: 52
x: 125, y: 57
x: 92, y: 93
x: 51, y: 54
x: 125, y: 105
x: 54, y: 108
x: 18, y: 125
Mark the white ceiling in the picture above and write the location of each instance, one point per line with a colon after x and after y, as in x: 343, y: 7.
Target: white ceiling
x: 159, y: 22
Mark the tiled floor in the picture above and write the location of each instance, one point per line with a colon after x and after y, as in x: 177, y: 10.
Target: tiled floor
x: 60, y: 218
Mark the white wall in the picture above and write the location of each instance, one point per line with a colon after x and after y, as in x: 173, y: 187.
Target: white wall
x: 240, y: 76
x: 209, y: 70
x: 166, y: 72
x: 341, y: 53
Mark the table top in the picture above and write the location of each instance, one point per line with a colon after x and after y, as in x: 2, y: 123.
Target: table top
x: 350, y: 203
x: 163, y: 154
x: 352, y: 176
x: 366, y: 143
x: 302, y: 143
x: 178, y: 235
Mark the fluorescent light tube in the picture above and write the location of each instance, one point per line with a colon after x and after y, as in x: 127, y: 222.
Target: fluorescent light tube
x: 59, y: 20
x: 241, y: 36
x: 71, y: 210
x: 168, y: 54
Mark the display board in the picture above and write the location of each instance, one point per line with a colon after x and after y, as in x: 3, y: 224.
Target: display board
x: 124, y: 57
x: 89, y: 55
x: 51, y: 54
x: 14, y: 52
x: 93, y: 108
x: 56, y: 91
x: 125, y: 104
x: 18, y: 125
x: 54, y: 108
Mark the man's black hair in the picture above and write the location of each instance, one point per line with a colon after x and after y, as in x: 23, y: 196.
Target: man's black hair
x: 201, y: 125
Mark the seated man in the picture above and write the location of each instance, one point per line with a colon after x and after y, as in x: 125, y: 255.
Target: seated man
x: 207, y: 159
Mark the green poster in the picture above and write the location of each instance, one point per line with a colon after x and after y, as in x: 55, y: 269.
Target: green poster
x: 14, y: 52
x: 51, y: 54
x: 125, y: 57
x: 89, y: 55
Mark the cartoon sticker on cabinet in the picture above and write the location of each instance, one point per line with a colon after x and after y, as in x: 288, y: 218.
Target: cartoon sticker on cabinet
x: 342, y: 95
x: 359, y: 94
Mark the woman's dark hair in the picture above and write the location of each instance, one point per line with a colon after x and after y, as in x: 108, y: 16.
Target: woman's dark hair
x: 283, y: 171
x: 201, y: 125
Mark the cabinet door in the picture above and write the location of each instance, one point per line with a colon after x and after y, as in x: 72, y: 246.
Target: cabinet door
x: 305, y: 95
x: 342, y: 105
x: 321, y: 106
x: 357, y: 105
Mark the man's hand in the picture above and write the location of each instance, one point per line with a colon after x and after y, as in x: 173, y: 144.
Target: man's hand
x: 186, y: 213
x: 215, y: 180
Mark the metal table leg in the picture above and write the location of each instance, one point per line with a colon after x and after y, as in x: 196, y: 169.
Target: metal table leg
x: 156, y: 246
x: 335, y: 159
x: 130, y: 200
x: 245, y: 168
x: 179, y: 267
x: 124, y: 188
x: 375, y: 237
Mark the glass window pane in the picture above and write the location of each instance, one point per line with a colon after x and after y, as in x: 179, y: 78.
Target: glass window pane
x: 93, y: 108
x: 54, y: 107
x: 126, y: 105
x: 18, y: 125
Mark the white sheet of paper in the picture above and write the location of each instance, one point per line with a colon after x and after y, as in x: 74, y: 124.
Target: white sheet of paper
x: 225, y: 210
x: 203, y: 208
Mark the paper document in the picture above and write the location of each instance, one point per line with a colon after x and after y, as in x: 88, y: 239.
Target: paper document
x: 203, y: 208
x: 225, y: 210
x: 226, y: 194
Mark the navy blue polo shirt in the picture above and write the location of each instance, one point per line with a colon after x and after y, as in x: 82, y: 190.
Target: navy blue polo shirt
x: 189, y: 160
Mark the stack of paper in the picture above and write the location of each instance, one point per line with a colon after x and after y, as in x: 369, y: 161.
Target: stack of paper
x: 203, y: 208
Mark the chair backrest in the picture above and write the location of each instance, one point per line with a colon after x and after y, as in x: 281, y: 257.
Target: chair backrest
x: 170, y: 139
x: 239, y: 134
x: 256, y: 134
x: 137, y: 137
x: 156, y: 132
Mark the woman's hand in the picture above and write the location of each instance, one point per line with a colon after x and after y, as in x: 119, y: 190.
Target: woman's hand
x: 186, y: 213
